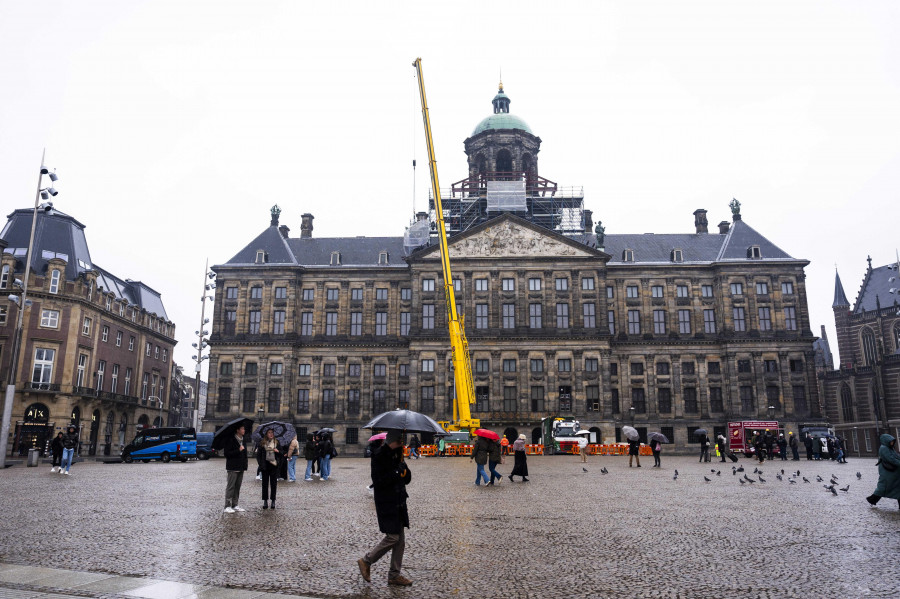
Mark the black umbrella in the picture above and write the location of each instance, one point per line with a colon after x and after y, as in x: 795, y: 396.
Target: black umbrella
x: 324, y: 431
x: 405, y: 420
x: 284, y: 432
x: 229, y: 430
x: 700, y: 431
x: 657, y: 437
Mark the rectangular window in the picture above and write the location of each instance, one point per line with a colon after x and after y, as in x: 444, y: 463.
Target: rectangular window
x: 303, y: 401
x: 631, y: 291
x: 744, y: 366
x: 709, y: 321
x: 42, y: 373
x: 427, y: 399
x: 114, y: 379
x: 304, y: 369
x: 796, y: 365
x: 682, y: 291
x: 281, y: 293
x: 564, y: 365
x: 145, y: 383
x: 481, y: 316
x: 255, y: 320
x: 381, y: 324
x: 684, y: 322
x: 770, y: 366
x: 329, y: 370
x: 406, y: 293
x: 634, y: 322
x: 331, y: 319
x: 737, y: 289
x: 276, y: 369
x: 306, y: 323
x: 355, y: 324
x: 656, y: 291
x: 715, y: 400
x: 688, y: 368
x: 787, y: 288
x: 589, y: 313
x: 740, y: 323
x: 773, y: 397
x: 591, y: 365
x: 613, y: 369
x: 427, y: 284
x: 378, y: 401
x: 537, y: 365
x: 664, y: 401
x: 119, y: 339
x: 800, y: 406
x: 403, y: 370
x: 482, y: 366
x: 278, y: 322
x: 510, y: 399
x: 457, y: 285
x: 562, y: 284
x: 509, y: 316
x: 537, y: 399
x: 747, y: 400
x: 762, y: 288
x: 639, y: 400
x: 427, y: 365
x: 534, y: 284
x: 509, y: 365
x: 481, y: 284
x: 353, y: 401
x: 509, y: 284
x: 156, y: 353
x: 427, y: 316
x: 713, y: 368
x: 354, y: 370
x: 256, y: 292
x: 251, y: 368
x: 231, y: 293
x: 328, y: 401
x: 165, y: 355
x: 659, y: 322
x: 611, y: 321
x: 765, y: 319
x: 379, y: 370
x: 356, y: 294
x: 274, y: 403
x: 223, y: 402
x: 86, y: 327
x: 610, y: 292
x: 230, y: 321
x: 587, y: 283
x: 381, y: 294
x: 225, y: 368
x: 614, y: 403
x: 104, y: 334
x: 637, y: 369
x: 309, y: 294
x: 562, y: 316
x: 662, y: 369
x: 50, y: 319
x: 148, y: 350
x: 332, y: 294
x: 534, y: 316
x: 403, y: 399
x: 690, y: 400
x: 405, y: 321
x: 790, y: 318
x: 127, y: 389
x: 482, y: 399
x: 3, y: 315
x: 706, y: 290
x: 592, y: 398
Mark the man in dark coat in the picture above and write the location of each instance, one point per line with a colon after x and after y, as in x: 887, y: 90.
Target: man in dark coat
x: 235, y: 466
x: 795, y: 447
x: 808, y: 443
x: 390, y: 475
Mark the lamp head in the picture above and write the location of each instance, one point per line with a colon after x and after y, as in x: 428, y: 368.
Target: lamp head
x: 52, y: 192
x: 44, y: 170
x: 53, y: 177
x: 14, y: 298
x: 45, y: 195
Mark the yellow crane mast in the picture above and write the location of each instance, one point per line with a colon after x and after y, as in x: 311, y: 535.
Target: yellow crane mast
x: 462, y: 368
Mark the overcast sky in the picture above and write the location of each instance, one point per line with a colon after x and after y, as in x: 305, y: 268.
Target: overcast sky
x: 175, y: 126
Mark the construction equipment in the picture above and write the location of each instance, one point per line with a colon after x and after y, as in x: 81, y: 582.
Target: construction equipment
x: 462, y: 368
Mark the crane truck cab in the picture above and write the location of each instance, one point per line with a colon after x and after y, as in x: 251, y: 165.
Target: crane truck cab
x: 559, y: 435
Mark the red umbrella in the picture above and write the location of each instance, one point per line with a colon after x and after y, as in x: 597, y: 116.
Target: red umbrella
x: 483, y: 432
x: 378, y: 437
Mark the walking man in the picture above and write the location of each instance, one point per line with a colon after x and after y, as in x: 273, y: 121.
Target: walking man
x: 69, y: 443
x: 390, y: 475
x: 235, y: 466
x: 795, y: 449
x: 56, y: 449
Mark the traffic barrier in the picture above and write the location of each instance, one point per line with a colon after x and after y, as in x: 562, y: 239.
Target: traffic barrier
x: 534, y: 450
x: 428, y: 450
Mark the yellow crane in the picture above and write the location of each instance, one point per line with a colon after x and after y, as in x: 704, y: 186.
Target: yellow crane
x: 462, y: 368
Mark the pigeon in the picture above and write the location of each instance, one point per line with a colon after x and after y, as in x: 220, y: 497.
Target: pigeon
x: 755, y: 470
x: 778, y: 476
x: 833, y: 482
x: 806, y: 480
x: 712, y: 470
x: 706, y: 479
x: 792, y: 481
x: 604, y: 471
x: 782, y: 470
x: 751, y: 481
x: 675, y: 477
x: 585, y: 469
x: 676, y: 472
x: 845, y: 489
x: 746, y: 477
x: 819, y: 478
x: 718, y: 473
x: 833, y: 492
x: 741, y: 469
x: 859, y: 476
x: 741, y: 480
x: 761, y: 479
x: 798, y: 473
x: 834, y: 477
x: 733, y: 471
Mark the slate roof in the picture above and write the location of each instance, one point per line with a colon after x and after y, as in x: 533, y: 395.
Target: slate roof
x: 878, y: 285
x: 840, y: 298
x: 59, y: 235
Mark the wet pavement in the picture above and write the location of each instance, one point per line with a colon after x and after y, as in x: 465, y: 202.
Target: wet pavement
x: 629, y: 533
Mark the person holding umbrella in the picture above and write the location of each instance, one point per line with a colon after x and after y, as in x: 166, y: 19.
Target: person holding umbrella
x: 494, y: 459
x: 520, y: 467
x: 634, y: 450
x: 235, y: 466
x: 268, y: 456
x: 656, y: 440
x: 480, y: 454
x: 390, y: 475
x: 704, y: 444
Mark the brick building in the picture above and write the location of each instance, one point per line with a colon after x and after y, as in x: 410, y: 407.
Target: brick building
x: 96, y: 349
x: 669, y: 332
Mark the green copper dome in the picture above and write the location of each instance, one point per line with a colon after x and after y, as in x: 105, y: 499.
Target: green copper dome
x: 502, y: 120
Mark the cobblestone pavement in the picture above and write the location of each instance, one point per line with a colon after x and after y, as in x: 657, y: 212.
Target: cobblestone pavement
x: 629, y: 533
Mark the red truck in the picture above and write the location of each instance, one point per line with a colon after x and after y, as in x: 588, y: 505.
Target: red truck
x: 740, y: 433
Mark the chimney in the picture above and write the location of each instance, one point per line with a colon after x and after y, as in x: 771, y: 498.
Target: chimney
x: 588, y: 220
x: 284, y: 231
x: 723, y: 227
x: 420, y: 216
x: 700, y: 220
x: 306, y: 226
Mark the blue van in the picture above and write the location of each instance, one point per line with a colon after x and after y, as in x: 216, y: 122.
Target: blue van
x: 204, y: 446
x: 162, y: 444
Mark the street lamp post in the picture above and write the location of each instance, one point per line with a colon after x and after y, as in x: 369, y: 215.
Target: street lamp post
x: 202, y: 339
x: 22, y: 302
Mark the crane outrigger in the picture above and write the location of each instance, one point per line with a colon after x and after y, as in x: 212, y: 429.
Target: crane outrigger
x: 462, y: 368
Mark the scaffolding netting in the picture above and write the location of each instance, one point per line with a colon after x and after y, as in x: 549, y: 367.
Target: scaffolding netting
x: 506, y: 196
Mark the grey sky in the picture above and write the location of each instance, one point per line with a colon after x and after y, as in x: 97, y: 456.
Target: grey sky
x: 174, y: 126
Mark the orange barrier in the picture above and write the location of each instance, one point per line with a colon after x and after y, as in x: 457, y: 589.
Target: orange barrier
x: 534, y: 450
x: 428, y: 450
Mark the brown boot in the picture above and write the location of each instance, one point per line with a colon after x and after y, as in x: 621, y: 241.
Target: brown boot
x: 364, y: 569
x: 400, y: 580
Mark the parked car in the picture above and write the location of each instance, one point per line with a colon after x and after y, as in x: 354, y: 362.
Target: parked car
x: 204, y: 446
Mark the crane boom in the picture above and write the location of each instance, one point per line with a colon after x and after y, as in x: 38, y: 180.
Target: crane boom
x: 462, y: 368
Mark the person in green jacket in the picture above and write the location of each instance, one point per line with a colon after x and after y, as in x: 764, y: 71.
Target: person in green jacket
x: 888, y: 471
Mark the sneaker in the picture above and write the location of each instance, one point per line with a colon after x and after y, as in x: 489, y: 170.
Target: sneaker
x: 259, y: 477
x: 364, y: 569
x: 238, y: 508
x: 307, y: 479
x: 229, y: 510
x: 53, y: 469
x: 400, y: 581
x: 67, y: 473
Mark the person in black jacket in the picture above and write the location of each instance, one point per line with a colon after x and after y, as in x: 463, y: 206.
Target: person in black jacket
x: 634, y: 451
x: 390, y: 475
x: 235, y: 466
x: 268, y: 457
x: 309, y: 454
x: 69, y: 443
x: 56, y: 450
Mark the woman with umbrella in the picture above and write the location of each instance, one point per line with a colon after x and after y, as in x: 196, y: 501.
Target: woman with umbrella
x: 268, y: 456
x: 480, y: 454
x: 520, y: 467
x: 656, y: 440
x: 634, y: 444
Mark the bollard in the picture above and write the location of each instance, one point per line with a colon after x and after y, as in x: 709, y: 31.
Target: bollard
x: 34, y: 456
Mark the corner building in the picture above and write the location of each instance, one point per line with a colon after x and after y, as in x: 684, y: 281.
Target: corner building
x: 670, y: 332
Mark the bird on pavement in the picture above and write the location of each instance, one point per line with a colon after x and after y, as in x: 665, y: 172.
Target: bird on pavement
x: 834, y: 476
x: 782, y: 470
x: 755, y: 470
x: 741, y: 469
x: 845, y: 489
x: 833, y: 492
x: 746, y: 477
x: 778, y: 476
x: 733, y: 471
x: 718, y: 473
x: 585, y: 469
x: 806, y: 480
x: 833, y: 482
x: 819, y: 478
x: 712, y: 470
x: 676, y: 475
x: 859, y: 475
x: 706, y: 479
x: 761, y: 479
x: 604, y: 471
x: 751, y: 481
x: 798, y: 473
x: 676, y: 472
x: 792, y: 481
x: 741, y: 480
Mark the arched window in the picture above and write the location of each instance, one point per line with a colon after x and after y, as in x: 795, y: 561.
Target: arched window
x: 897, y: 338
x: 868, y: 345
x: 54, y: 281
x: 504, y: 161
x: 75, y: 418
x: 143, y: 422
x: 847, y: 403
x: 4, y: 277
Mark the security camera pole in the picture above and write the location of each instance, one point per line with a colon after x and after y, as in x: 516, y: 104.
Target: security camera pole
x: 202, y: 339
x: 17, y: 339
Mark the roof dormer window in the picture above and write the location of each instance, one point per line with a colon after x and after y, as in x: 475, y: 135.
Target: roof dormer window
x: 628, y: 256
x: 335, y: 258
x: 753, y: 252
x: 261, y: 257
x: 677, y: 255
x: 382, y: 257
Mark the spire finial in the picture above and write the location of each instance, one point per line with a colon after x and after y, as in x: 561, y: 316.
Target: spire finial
x: 501, y: 78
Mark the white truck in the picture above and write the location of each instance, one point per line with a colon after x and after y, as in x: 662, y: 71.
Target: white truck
x: 562, y: 435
